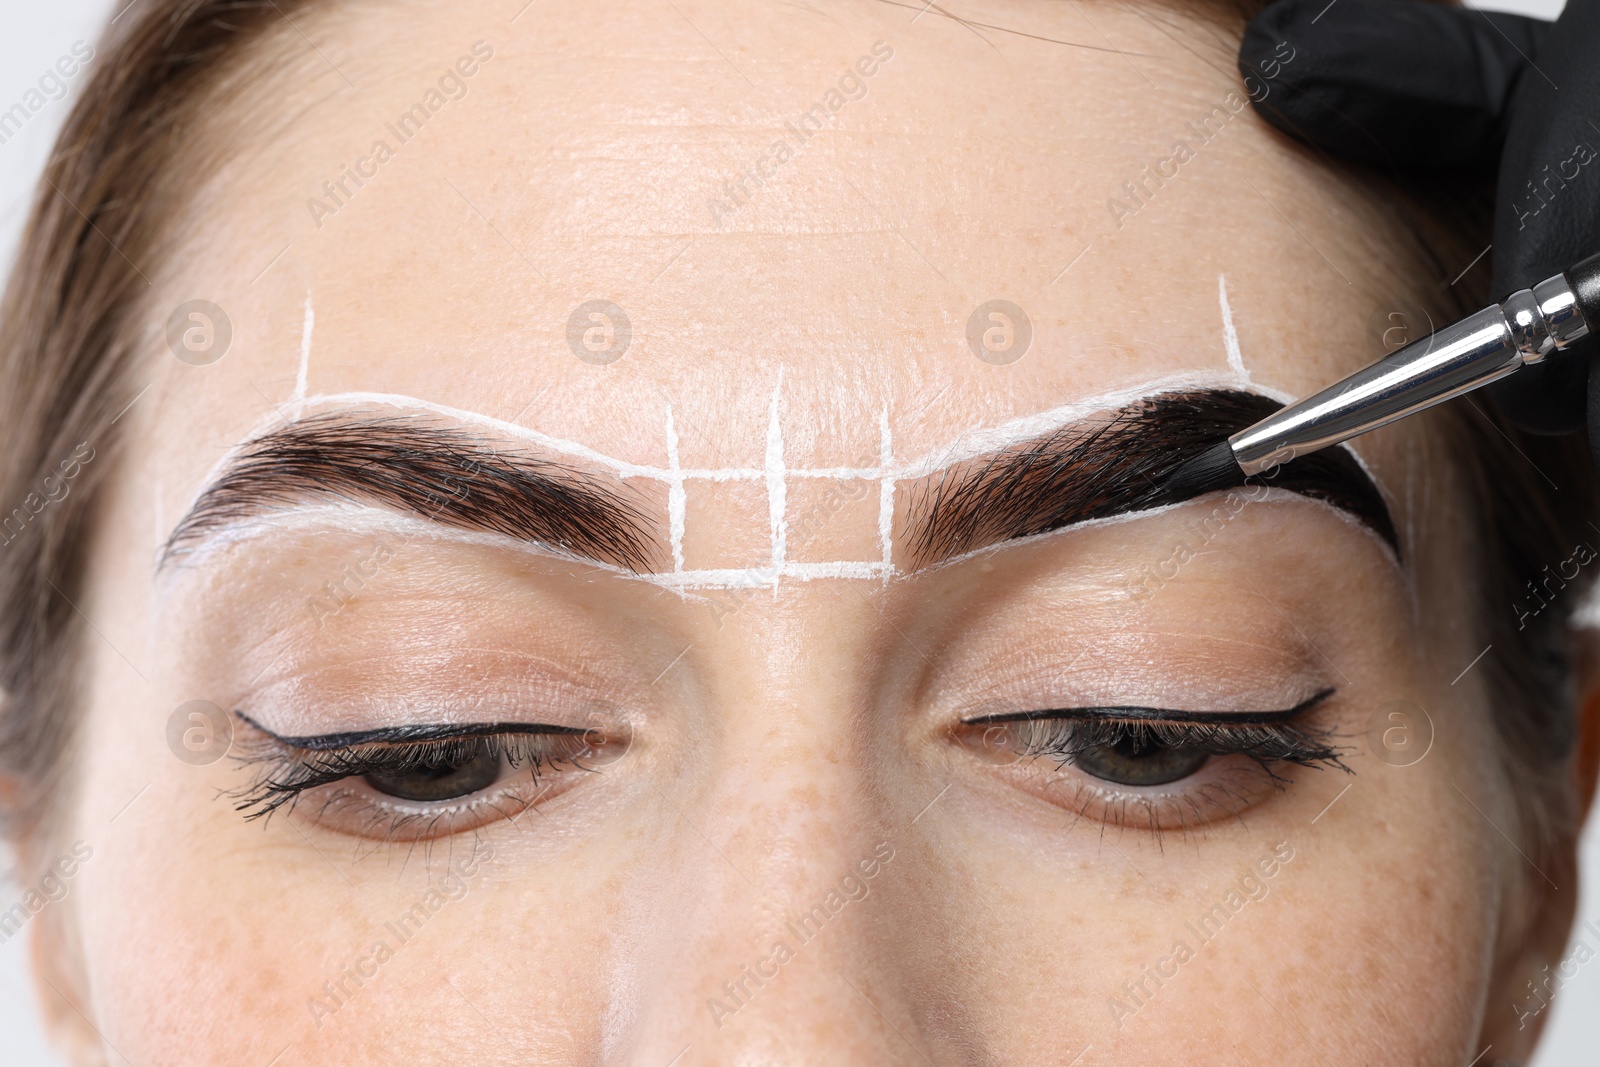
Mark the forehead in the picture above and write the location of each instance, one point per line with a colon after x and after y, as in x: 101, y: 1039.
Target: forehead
x: 816, y: 210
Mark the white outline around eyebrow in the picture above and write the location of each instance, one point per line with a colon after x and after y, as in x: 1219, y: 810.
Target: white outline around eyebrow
x: 775, y: 472
x: 307, y: 326
x: 1230, y: 336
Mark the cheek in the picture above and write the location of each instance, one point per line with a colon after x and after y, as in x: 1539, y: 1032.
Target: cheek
x: 1393, y: 944
x: 185, y: 912
x: 1374, y: 940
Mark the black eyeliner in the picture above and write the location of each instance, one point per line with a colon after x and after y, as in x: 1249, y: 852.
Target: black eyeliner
x: 422, y: 732
x: 1137, y: 713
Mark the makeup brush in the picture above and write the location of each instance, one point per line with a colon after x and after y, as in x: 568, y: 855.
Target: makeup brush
x: 1501, y: 339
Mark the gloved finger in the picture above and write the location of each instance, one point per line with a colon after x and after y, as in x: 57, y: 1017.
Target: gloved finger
x: 1547, y: 210
x: 1394, y: 83
x: 1593, y: 395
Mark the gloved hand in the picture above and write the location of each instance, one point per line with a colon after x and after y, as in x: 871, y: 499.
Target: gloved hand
x: 1411, y: 86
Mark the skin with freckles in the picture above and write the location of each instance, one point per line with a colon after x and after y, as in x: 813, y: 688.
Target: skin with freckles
x: 778, y: 837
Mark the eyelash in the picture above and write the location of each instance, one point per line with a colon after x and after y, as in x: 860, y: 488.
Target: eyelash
x: 288, y: 772
x: 1216, y: 786
x: 1268, y: 744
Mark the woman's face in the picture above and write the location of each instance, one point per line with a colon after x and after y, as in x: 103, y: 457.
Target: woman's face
x: 623, y: 628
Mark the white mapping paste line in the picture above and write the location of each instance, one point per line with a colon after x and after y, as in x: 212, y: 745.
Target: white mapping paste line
x: 886, y: 494
x: 763, y: 577
x: 870, y: 474
x: 777, y: 487
x: 305, y: 353
x: 510, y: 429
x: 351, y: 517
x: 1230, y: 336
x: 969, y: 446
x: 363, y: 518
x: 839, y: 568
x: 776, y: 474
x: 677, y: 498
x: 1028, y: 427
x: 373, y: 519
x: 295, y: 406
x: 1260, y: 494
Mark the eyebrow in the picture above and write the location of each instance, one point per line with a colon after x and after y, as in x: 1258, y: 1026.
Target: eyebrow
x: 1118, y: 467
x: 440, y: 473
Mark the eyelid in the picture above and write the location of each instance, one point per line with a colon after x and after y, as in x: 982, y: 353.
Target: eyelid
x: 411, y: 733
x: 288, y: 768
x: 1138, y: 713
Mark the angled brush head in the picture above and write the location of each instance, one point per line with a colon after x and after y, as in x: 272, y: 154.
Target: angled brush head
x: 1213, y: 469
x: 1157, y: 451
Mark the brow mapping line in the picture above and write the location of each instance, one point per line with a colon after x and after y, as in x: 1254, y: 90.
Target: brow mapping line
x: 378, y: 519
x: 306, y: 329
x: 886, y: 495
x: 1230, y: 336
x: 763, y: 577
x: 400, y: 401
x: 1027, y: 428
x: 412, y: 733
x: 1137, y: 713
x: 968, y: 446
x: 776, y: 473
x: 1267, y: 495
x: 677, y: 496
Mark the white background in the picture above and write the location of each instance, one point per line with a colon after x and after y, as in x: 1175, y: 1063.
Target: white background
x: 33, y: 35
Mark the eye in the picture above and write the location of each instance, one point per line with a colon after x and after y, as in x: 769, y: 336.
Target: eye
x: 424, y: 781
x: 443, y: 780
x: 1153, y: 768
x: 1134, y: 760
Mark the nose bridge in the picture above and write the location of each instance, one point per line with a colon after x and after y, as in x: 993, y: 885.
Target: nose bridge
x: 770, y: 957
x: 767, y: 955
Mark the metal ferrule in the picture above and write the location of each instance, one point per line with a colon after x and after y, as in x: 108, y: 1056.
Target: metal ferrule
x: 1457, y: 359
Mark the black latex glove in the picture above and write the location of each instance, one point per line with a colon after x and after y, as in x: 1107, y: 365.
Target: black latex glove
x: 1413, y: 86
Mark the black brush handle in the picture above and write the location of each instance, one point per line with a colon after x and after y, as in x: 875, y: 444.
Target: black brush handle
x: 1584, y: 280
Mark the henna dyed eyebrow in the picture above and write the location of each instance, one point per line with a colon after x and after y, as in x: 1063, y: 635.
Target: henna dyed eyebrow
x: 1117, y: 467
x: 440, y: 473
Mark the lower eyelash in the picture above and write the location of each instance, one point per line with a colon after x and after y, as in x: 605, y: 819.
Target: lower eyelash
x: 1183, y: 814
x: 1185, y: 805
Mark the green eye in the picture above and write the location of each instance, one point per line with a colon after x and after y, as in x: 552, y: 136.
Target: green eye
x: 1132, y: 760
x: 447, y: 781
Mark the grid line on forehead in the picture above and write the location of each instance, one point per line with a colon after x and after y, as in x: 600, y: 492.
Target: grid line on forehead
x: 1073, y: 474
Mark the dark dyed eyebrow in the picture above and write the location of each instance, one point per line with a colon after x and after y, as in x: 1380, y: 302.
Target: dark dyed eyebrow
x: 440, y: 473
x: 1114, y: 468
